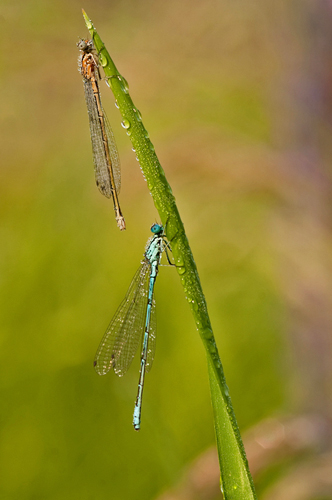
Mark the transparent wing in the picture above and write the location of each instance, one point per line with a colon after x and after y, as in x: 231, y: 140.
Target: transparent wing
x: 124, y: 333
x: 114, y: 154
x: 152, y: 338
x: 103, y: 179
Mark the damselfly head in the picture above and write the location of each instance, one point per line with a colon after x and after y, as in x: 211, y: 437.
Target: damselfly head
x: 157, y: 228
x: 85, y: 45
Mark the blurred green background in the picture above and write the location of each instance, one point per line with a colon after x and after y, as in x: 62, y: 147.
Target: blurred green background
x: 237, y: 99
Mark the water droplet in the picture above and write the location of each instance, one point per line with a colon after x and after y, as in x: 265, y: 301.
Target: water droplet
x: 128, y: 132
x: 138, y: 114
x: 124, y: 83
x: 212, y: 348
x: 125, y: 123
x: 133, y: 149
x: 146, y: 134
x: 111, y: 81
x: 151, y: 146
x: 114, y: 82
x: 116, y: 105
x: 180, y: 262
x: 89, y: 24
x: 194, y: 305
x: 102, y: 60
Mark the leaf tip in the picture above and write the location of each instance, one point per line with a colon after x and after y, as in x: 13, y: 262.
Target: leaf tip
x: 87, y: 20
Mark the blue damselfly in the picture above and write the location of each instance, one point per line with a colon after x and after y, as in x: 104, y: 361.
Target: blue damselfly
x: 134, y: 323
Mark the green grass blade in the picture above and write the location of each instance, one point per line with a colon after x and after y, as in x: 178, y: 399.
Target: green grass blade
x: 235, y: 476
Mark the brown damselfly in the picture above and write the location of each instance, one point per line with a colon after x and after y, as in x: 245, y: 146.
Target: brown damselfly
x: 105, y: 153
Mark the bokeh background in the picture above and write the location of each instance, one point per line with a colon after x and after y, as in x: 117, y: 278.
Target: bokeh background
x: 237, y: 98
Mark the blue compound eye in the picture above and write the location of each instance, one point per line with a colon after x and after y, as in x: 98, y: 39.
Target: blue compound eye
x: 156, y: 228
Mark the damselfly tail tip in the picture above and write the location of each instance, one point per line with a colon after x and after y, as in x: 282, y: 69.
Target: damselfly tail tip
x: 137, y: 417
x: 121, y: 223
